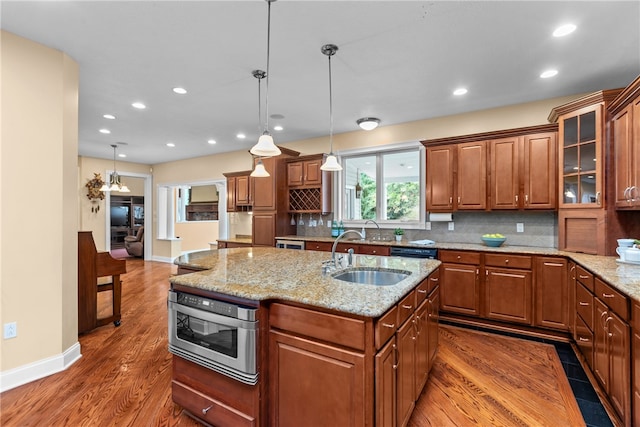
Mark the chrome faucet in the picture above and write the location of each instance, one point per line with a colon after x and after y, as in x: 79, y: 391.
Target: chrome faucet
x: 335, y: 245
x: 367, y: 222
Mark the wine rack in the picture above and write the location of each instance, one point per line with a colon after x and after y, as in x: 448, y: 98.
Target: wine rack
x: 305, y: 200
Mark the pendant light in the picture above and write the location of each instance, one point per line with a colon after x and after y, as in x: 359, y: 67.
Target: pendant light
x: 331, y: 164
x: 114, y: 179
x: 265, y: 146
x: 259, y: 171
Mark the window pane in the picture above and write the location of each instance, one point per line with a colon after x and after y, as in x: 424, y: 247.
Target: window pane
x: 401, y: 173
x: 360, y: 187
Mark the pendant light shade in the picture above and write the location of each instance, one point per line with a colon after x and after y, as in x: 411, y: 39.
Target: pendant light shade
x: 259, y: 171
x: 331, y: 163
x: 265, y: 146
x: 115, y: 184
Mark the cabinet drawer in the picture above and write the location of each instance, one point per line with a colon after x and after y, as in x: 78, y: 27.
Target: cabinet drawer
x: 374, y: 250
x: 614, y: 299
x: 460, y: 257
x: 584, y: 340
x: 323, y: 326
x: 210, y: 410
x: 508, y: 260
x: 422, y: 290
x: 584, y: 277
x: 386, y: 326
x: 584, y: 305
x: 406, y: 307
x: 318, y: 246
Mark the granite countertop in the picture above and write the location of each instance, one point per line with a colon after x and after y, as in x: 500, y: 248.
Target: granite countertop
x: 242, y: 240
x: 260, y: 273
x: 624, y: 277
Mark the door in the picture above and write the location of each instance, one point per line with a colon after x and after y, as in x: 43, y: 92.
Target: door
x: 508, y: 295
x: 552, y: 293
x: 460, y: 291
x: 539, y: 175
x: 600, y: 349
x: 433, y: 324
x: 263, y: 196
x: 406, y: 371
x: 623, y: 158
x: 422, y: 347
x: 440, y: 161
x: 505, y: 173
x: 618, y: 334
x: 386, y: 385
x: 264, y: 229
x: 472, y: 176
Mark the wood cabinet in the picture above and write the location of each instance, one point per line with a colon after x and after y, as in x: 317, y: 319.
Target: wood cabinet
x: 343, y: 247
x: 263, y: 229
x: 552, y: 293
x: 635, y: 398
x: 519, y: 166
x: 508, y: 288
x: 238, y: 191
x: 406, y: 370
x: 318, y: 246
x: 625, y: 126
x: 523, y: 171
x: 309, y: 188
x: 583, y: 230
x: 202, y: 211
x: 243, y: 190
x: 385, y: 386
x: 460, y: 282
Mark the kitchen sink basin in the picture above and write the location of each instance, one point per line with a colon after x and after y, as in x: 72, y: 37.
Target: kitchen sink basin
x: 370, y: 276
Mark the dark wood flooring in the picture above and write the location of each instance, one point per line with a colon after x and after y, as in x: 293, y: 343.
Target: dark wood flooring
x: 123, y: 378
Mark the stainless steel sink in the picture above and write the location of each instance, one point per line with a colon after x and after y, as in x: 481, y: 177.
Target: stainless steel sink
x: 371, y: 276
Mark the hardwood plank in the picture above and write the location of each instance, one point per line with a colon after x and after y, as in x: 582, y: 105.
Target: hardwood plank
x: 124, y: 375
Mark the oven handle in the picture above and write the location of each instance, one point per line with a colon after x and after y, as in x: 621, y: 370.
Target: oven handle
x: 212, y: 317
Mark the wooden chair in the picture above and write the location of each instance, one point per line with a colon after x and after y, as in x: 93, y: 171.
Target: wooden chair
x: 97, y: 272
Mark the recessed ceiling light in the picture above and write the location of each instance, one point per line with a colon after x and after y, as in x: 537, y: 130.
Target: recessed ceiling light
x: 106, y: 131
x: 548, y: 73
x: 122, y: 155
x: 211, y: 141
x: 180, y: 90
x: 171, y: 144
x: 460, y: 91
x: 241, y: 136
x: 278, y: 127
x: 563, y: 30
x: 109, y: 116
x: 139, y: 105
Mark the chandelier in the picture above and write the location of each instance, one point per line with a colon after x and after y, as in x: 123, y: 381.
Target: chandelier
x: 115, y: 184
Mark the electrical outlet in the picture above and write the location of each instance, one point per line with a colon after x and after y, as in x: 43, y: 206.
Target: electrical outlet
x: 427, y: 225
x: 451, y: 226
x: 520, y: 227
x: 10, y: 330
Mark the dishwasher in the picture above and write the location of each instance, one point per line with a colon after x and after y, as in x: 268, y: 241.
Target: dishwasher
x: 409, y: 252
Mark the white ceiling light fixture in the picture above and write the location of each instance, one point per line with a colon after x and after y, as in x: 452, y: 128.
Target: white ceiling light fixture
x: 460, y: 91
x: 139, y: 105
x: 115, y: 184
x: 368, y: 123
x: 180, y: 90
x: 564, y: 30
x: 331, y: 163
x: 109, y: 116
x: 211, y: 141
x: 265, y: 146
x: 259, y: 171
x: 105, y: 131
x: 548, y: 73
x: 170, y: 144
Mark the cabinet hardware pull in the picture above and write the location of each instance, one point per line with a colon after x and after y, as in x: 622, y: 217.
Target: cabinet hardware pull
x: 582, y: 277
x: 408, y: 307
x: 526, y: 199
x: 506, y: 261
x: 396, y: 356
x: 632, y: 198
x: 434, y: 279
x: 422, y: 291
x: 598, y: 201
x: 450, y: 200
x: 604, y: 313
x: 516, y: 198
x: 625, y: 194
x: 389, y: 325
x: 205, y: 410
x: 607, y: 295
x: 606, y: 326
x: 458, y: 199
x: 583, y: 339
x: 458, y: 256
x: 582, y: 303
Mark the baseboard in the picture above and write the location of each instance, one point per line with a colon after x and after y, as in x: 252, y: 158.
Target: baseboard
x: 21, y: 375
x: 168, y: 260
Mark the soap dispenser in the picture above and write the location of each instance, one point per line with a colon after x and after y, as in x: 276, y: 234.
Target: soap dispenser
x: 364, y: 233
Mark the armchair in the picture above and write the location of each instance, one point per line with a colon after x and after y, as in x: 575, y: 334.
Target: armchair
x: 135, y: 244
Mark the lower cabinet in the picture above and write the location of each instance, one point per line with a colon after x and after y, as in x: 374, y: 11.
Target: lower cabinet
x: 636, y: 365
x: 385, y: 386
x: 460, y: 289
x: 552, y: 293
x: 508, y: 288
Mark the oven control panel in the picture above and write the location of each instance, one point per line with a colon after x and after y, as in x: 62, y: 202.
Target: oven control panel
x: 214, y: 306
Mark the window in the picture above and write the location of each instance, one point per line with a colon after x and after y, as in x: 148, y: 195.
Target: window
x: 384, y: 186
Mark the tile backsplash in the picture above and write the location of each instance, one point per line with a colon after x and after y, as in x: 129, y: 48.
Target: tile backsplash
x: 540, y: 228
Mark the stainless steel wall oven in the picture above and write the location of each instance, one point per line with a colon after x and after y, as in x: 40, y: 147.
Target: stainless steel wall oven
x: 215, y: 334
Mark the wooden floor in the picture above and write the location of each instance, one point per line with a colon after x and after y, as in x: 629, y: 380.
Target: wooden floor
x: 124, y: 375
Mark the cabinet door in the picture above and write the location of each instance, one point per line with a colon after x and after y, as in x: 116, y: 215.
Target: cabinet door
x: 472, y: 176
x: 508, y: 295
x: 433, y: 324
x: 294, y: 174
x: 623, y: 157
x: 636, y: 365
x: 242, y: 191
x: 635, y: 150
x: 600, y: 348
x: 313, y: 381
x: 264, y: 229
x: 312, y: 172
x: 552, y: 293
x: 231, y: 194
x: 619, y: 362
x: 386, y: 385
x: 422, y: 348
x: 460, y: 292
x: 264, y: 193
x: 505, y: 173
x: 571, y: 283
x: 581, y: 161
x: 539, y: 175
x: 406, y: 371
x: 440, y: 161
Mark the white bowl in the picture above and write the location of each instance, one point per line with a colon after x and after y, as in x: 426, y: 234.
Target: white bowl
x: 627, y: 243
x: 632, y: 254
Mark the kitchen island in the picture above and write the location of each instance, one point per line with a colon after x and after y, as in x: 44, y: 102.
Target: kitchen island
x: 346, y: 353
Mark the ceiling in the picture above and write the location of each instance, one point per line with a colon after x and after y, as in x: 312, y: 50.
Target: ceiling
x: 397, y: 60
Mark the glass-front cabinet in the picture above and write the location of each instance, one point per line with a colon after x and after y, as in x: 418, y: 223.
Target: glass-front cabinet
x: 581, y: 164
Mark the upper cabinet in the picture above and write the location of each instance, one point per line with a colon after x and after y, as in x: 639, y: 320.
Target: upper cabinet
x: 308, y: 187
x: 625, y: 131
x: 238, y: 191
x: 581, y: 155
x: 508, y: 169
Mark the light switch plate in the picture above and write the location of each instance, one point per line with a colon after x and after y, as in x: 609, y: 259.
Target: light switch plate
x: 451, y: 226
x: 10, y: 330
x: 520, y: 227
